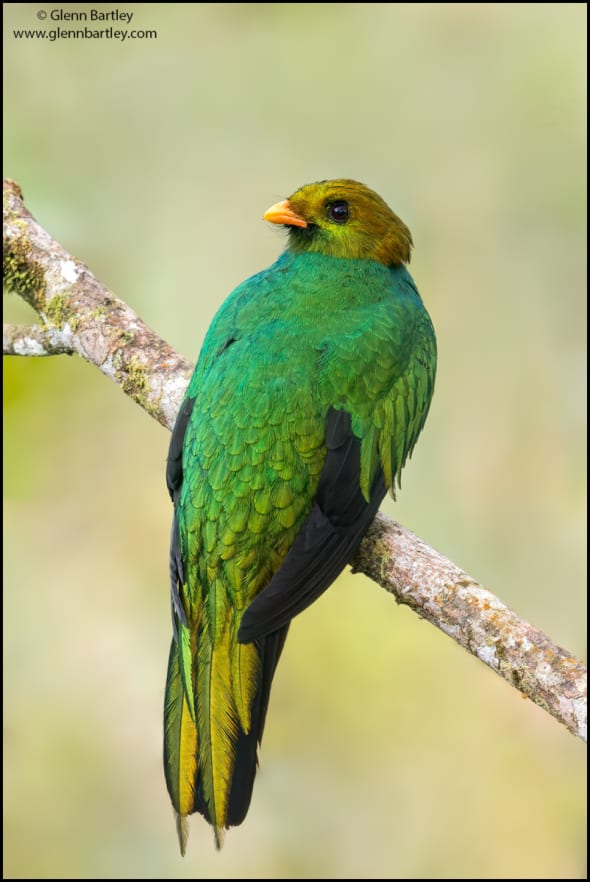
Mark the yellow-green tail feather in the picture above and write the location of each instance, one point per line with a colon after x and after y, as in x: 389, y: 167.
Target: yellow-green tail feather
x: 210, y: 760
x: 180, y: 747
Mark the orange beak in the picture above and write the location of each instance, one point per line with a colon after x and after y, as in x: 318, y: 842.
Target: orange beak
x: 282, y: 213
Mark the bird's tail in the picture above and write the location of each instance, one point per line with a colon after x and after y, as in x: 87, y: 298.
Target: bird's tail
x: 217, y: 694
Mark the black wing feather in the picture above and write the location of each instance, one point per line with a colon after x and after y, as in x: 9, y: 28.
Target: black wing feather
x: 174, y: 461
x: 174, y: 483
x: 333, y: 530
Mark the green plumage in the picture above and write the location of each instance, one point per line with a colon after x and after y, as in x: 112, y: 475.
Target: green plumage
x: 309, y: 394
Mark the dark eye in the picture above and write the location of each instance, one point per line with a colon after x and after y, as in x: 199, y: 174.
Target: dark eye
x: 338, y: 211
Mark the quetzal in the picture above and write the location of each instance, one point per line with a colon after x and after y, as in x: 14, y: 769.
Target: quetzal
x: 311, y: 388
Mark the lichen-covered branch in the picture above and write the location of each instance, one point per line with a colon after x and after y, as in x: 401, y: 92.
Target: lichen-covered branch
x: 79, y: 315
x: 36, y: 340
x: 439, y: 591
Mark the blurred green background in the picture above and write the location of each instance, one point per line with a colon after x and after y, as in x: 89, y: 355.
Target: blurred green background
x: 389, y: 752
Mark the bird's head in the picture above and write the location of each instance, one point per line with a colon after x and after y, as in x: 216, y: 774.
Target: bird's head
x: 343, y: 218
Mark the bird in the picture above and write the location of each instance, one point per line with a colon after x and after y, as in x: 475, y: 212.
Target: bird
x: 311, y: 388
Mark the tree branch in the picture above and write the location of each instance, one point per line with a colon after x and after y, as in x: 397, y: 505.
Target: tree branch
x: 76, y: 310
x: 35, y: 340
x: 446, y: 596
x: 79, y: 315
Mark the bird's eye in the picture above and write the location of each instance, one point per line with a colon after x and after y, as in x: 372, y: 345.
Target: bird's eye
x: 338, y: 211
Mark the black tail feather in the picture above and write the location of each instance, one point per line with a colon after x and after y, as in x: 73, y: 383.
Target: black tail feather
x: 246, y: 749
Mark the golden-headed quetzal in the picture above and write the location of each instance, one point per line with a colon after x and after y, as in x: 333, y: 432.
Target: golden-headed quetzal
x: 311, y: 388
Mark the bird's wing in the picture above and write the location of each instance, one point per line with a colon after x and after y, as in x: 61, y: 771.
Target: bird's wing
x: 331, y: 533
x: 174, y: 483
x: 364, y: 458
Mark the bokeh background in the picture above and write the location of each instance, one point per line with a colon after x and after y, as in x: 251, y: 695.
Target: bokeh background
x: 389, y: 752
